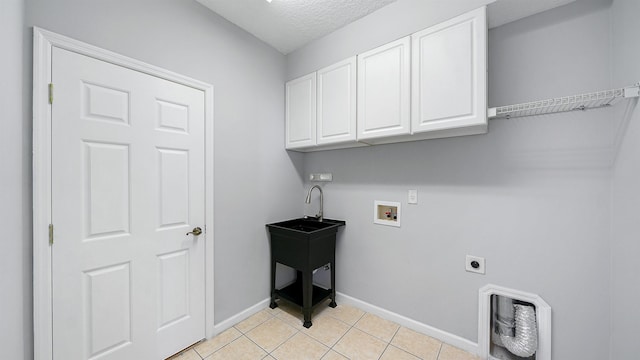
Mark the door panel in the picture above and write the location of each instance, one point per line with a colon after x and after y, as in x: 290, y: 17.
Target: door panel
x: 336, y: 108
x: 127, y: 185
x: 106, y: 189
x: 176, y: 184
x: 173, y: 117
x: 174, y: 187
x: 449, y: 74
x: 108, y: 309
x: 384, y: 91
x: 105, y: 104
x: 173, y: 285
x: 300, y: 112
x: 443, y: 73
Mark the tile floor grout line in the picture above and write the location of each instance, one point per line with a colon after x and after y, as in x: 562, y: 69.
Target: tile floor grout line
x: 389, y: 342
x: 341, y: 337
x: 439, y: 350
x: 351, y: 327
x: 312, y: 338
x: 197, y: 353
x: 383, y: 351
x: 222, y: 347
x: 287, y: 339
x: 248, y: 338
x: 262, y: 322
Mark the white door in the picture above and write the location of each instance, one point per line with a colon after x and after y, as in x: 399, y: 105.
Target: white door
x: 384, y: 91
x: 449, y: 74
x: 127, y: 185
x: 337, y: 103
x: 300, y: 112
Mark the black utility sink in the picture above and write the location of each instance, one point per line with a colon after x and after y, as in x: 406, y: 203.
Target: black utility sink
x: 304, y: 244
x: 307, y: 225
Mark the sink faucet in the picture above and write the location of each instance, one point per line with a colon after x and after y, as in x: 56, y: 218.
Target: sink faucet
x: 308, y: 200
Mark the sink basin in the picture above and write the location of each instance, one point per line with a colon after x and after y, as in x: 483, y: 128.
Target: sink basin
x: 303, y: 243
x: 307, y: 225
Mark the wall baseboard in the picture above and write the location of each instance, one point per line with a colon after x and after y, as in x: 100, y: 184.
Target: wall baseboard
x: 341, y: 298
x: 449, y: 338
x: 244, y: 314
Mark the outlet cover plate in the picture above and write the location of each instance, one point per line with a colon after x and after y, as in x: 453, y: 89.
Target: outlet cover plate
x: 412, y: 196
x: 480, y: 269
x: 321, y: 177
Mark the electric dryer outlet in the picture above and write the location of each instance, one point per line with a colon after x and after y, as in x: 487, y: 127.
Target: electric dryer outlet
x: 475, y: 264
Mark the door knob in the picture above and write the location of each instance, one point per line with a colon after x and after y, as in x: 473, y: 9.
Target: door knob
x: 196, y: 231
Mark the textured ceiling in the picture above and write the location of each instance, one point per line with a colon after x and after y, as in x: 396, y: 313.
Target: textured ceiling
x: 290, y: 24
x: 287, y: 25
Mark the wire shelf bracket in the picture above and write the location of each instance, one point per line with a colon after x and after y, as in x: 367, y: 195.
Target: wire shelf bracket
x: 582, y: 102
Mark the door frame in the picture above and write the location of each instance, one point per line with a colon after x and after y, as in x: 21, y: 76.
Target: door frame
x: 43, y: 43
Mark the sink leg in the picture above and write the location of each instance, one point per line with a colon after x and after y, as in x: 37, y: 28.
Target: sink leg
x: 307, y: 324
x: 307, y: 297
x: 333, y: 285
x: 273, y: 304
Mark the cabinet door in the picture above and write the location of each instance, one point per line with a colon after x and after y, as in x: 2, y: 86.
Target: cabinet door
x: 300, y: 112
x: 384, y: 91
x: 337, y: 103
x: 449, y: 74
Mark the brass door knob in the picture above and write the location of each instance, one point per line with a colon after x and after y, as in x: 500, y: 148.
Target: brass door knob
x: 196, y: 231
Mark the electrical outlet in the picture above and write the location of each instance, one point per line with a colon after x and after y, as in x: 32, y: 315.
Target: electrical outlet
x: 474, y: 264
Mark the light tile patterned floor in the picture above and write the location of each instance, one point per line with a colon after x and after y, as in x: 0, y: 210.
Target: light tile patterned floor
x: 337, y: 334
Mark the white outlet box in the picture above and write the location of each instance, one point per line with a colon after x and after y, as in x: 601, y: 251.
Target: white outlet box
x: 386, y: 213
x: 412, y: 196
x: 474, y: 264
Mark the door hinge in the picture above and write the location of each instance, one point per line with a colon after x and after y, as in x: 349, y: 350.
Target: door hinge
x: 50, y: 93
x: 50, y: 234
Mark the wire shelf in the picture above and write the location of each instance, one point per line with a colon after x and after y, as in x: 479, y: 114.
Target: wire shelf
x: 586, y: 101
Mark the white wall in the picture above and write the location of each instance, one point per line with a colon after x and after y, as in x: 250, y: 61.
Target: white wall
x: 532, y: 196
x: 15, y: 196
x: 256, y: 180
x: 626, y: 193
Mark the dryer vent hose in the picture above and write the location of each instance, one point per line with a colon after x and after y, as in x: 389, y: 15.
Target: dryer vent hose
x: 525, y: 341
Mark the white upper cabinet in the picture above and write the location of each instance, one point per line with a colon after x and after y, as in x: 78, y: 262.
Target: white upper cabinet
x: 336, y: 113
x: 449, y: 76
x: 384, y: 91
x: 431, y: 84
x: 300, y: 112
